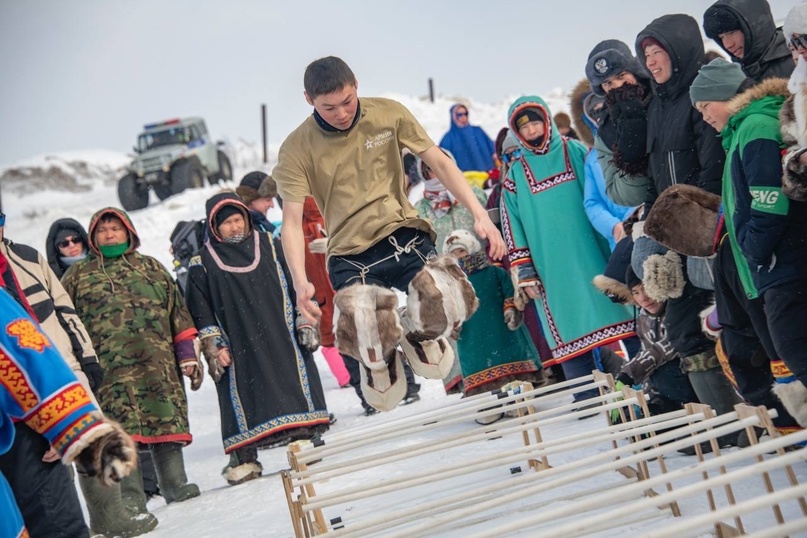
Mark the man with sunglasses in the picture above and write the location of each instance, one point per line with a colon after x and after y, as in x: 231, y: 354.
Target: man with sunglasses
x: 471, y: 146
x: 747, y: 31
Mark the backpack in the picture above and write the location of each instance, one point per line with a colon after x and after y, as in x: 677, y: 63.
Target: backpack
x: 186, y: 242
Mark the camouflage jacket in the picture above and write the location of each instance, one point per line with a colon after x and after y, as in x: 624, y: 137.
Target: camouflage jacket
x: 134, y: 314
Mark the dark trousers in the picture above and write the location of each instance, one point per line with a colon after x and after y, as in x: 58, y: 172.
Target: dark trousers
x: 745, y: 337
x: 786, y: 311
x: 392, y: 272
x: 580, y: 366
x: 44, y: 492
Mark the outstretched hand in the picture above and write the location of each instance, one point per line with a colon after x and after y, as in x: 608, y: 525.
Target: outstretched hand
x: 485, y: 229
x: 306, y: 307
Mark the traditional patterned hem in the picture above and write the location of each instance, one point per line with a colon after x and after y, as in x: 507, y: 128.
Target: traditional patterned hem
x: 182, y: 438
x: 601, y: 337
x: 274, y: 426
x: 451, y: 383
x: 498, y: 372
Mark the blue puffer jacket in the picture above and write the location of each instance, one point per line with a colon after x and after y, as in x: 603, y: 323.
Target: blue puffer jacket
x: 471, y: 146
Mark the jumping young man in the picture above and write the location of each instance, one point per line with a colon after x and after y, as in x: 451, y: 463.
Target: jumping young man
x: 347, y: 155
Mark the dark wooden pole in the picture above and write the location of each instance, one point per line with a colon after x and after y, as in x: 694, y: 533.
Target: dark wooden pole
x: 431, y: 89
x: 263, y: 130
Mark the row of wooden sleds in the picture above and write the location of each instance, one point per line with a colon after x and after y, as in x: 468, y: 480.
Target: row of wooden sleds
x: 437, y: 473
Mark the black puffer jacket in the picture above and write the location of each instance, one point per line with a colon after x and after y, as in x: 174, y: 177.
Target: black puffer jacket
x: 52, y: 252
x: 682, y: 148
x: 765, y: 53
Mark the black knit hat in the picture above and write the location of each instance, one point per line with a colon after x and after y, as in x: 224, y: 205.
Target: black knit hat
x: 226, y: 212
x: 66, y: 232
x: 719, y: 20
x: 611, y: 57
x: 526, y: 116
x: 253, y: 180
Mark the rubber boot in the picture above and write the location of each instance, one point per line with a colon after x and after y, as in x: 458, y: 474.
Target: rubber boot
x: 132, y: 495
x: 108, y: 516
x: 171, y: 475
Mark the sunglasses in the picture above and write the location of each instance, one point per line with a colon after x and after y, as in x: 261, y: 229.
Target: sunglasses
x: 512, y: 156
x: 461, y: 114
x: 67, y: 242
x: 798, y: 41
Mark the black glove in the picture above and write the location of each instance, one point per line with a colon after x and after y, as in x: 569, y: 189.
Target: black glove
x: 94, y: 373
x: 627, y: 109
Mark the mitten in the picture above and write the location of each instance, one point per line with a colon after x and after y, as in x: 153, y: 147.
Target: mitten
x: 318, y: 246
x: 110, y: 457
x: 95, y: 374
x: 198, y: 374
x: 211, y: 346
x: 513, y: 318
x: 307, y: 334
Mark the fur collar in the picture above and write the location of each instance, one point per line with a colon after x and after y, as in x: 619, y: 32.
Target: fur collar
x: 576, y: 105
x: 768, y: 87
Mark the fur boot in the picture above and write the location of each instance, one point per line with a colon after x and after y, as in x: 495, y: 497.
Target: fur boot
x: 242, y: 473
x: 684, y: 218
x: 431, y: 359
x: 440, y: 299
x: 384, y: 389
x: 367, y: 325
x: 790, y: 391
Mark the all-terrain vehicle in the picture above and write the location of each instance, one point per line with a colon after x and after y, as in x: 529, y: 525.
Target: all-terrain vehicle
x: 172, y: 156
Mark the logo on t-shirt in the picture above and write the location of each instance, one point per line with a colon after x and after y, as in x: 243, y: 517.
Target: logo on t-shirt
x: 379, y: 140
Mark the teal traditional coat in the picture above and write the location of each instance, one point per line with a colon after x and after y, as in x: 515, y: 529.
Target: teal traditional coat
x: 551, y: 242
x: 490, y: 354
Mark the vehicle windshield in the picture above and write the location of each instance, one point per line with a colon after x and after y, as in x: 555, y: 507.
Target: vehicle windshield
x: 166, y: 137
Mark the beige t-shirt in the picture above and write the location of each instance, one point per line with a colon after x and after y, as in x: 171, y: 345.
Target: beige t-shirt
x: 356, y: 177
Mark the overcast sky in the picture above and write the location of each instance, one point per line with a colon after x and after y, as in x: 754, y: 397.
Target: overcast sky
x: 84, y: 74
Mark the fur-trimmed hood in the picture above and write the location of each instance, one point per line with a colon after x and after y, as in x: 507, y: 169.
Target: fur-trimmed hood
x: 582, y: 89
x: 134, y: 239
x: 772, y: 87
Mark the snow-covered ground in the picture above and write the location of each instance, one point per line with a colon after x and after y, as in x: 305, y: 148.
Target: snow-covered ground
x: 259, y: 508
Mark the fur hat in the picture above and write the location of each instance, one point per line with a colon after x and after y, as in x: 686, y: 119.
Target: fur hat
x: 684, y: 218
x: 718, y: 80
x: 527, y: 115
x: 720, y: 19
x: 663, y: 276
x: 461, y: 239
x: 611, y: 57
x: 256, y: 185
x: 796, y: 21
x: 612, y: 282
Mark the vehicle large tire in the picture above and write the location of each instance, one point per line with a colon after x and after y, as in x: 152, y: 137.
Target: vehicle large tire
x: 132, y: 196
x: 162, y: 190
x: 225, y: 168
x: 186, y: 175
